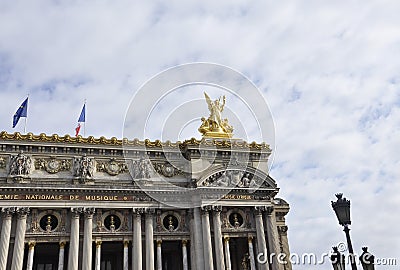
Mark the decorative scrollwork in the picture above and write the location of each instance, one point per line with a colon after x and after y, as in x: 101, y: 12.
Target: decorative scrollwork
x: 167, y: 170
x: 114, y: 141
x: 53, y: 165
x: 112, y: 167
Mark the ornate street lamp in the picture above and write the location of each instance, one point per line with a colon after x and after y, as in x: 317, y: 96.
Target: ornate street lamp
x: 342, y: 211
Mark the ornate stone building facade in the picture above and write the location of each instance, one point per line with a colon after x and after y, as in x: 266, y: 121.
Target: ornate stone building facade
x: 86, y: 203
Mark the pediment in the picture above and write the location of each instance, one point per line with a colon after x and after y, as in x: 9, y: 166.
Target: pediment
x: 236, y: 177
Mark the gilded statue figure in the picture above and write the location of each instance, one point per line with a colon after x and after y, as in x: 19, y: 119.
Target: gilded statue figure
x: 215, y: 125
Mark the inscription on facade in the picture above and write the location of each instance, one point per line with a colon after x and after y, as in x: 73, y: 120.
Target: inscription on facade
x: 74, y: 197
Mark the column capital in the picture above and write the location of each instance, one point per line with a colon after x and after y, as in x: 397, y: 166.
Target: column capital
x: 138, y: 210
x: 31, y: 245
x: 8, y: 211
x: 159, y: 242
x: 250, y: 239
x: 150, y: 211
x: 89, y: 212
x: 226, y: 239
x: 205, y: 209
x: 126, y: 243
x: 217, y: 208
x: 258, y: 210
x: 22, y: 212
x: 184, y: 242
x: 269, y: 210
x: 76, y: 211
x: 62, y: 244
x: 98, y: 243
x: 283, y: 229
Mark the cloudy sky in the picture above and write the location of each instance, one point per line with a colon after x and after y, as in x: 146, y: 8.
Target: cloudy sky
x: 329, y: 72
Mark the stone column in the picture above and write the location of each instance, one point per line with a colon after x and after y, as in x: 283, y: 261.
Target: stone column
x: 97, y: 263
x: 273, y: 237
x: 192, y: 241
x: 31, y: 253
x: 126, y: 254
x: 219, y: 247
x: 61, y: 256
x: 184, y: 255
x: 262, y: 246
x: 149, y: 239
x: 198, y: 246
x: 87, y: 239
x: 227, y: 254
x: 18, y: 254
x: 282, y: 230
x: 7, y: 214
x: 159, y: 256
x: 251, y: 253
x: 137, y: 238
x: 74, y: 239
x: 205, y: 221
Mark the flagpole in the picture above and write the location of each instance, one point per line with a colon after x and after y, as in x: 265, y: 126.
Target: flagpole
x: 84, y: 123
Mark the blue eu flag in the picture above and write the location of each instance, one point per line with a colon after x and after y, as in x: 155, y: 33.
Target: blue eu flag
x: 21, y: 112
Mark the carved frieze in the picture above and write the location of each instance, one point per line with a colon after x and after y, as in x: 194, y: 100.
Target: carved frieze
x: 20, y: 165
x: 84, y: 168
x: 2, y: 162
x: 233, y: 178
x: 112, y: 167
x: 167, y: 170
x: 142, y: 169
x: 53, y: 165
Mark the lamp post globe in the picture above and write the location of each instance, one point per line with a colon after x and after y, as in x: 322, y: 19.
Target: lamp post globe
x: 342, y: 209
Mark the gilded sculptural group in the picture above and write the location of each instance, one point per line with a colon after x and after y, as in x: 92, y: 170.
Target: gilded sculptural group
x: 215, y: 126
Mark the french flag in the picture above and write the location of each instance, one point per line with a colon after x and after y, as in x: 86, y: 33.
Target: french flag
x: 82, y: 119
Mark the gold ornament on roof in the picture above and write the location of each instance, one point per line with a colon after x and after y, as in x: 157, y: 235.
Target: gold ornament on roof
x: 215, y: 126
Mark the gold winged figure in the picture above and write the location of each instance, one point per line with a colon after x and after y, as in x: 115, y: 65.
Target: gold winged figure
x: 215, y: 126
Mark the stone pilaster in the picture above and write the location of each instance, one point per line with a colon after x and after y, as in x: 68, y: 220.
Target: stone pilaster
x: 18, y: 254
x: 7, y: 214
x: 159, y: 255
x: 219, y: 248
x: 262, y: 246
x: 87, y: 239
x: 149, y: 239
x: 97, y: 263
x: 31, y: 253
x: 227, y: 254
x: 126, y: 254
x: 192, y: 241
x: 184, y: 255
x: 198, y: 246
x: 273, y: 237
x: 74, y: 239
x: 61, y: 254
x: 285, y: 246
x: 205, y: 221
x: 137, y: 238
x: 251, y: 253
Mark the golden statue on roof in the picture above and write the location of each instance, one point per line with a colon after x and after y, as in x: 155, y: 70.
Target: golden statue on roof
x: 215, y: 126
